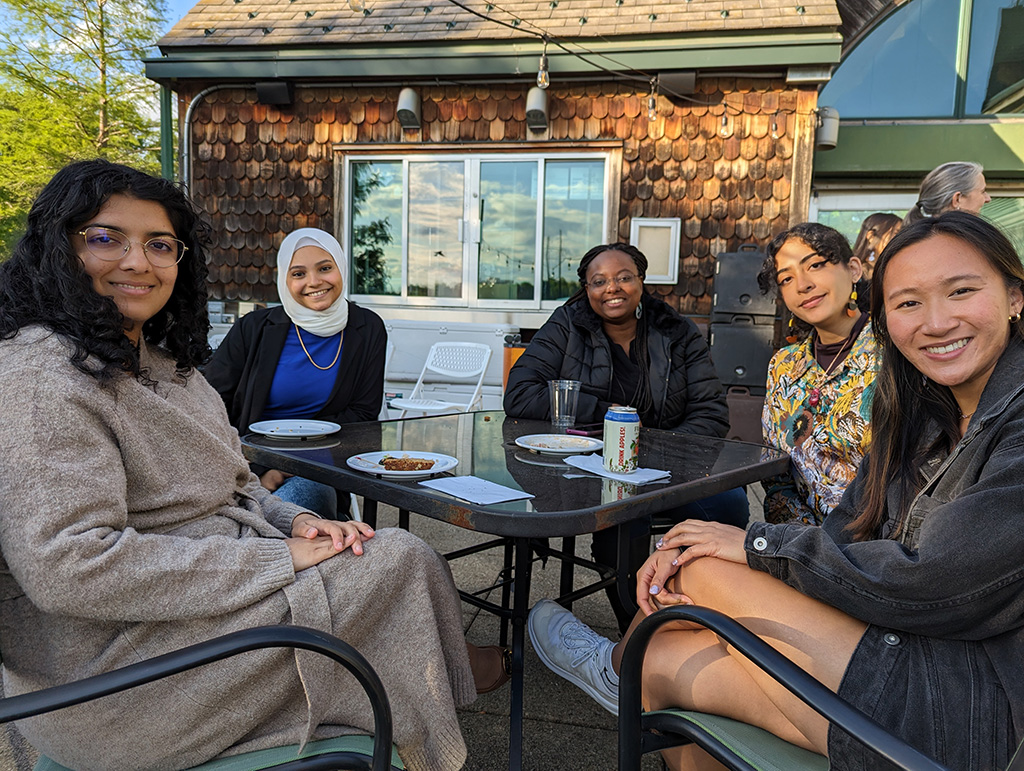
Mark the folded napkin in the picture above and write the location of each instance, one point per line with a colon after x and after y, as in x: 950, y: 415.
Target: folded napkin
x: 595, y: 465
x: 475, y: 489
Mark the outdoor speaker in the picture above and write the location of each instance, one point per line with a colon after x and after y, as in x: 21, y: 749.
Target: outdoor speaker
x: 408, y: 108
x: 275, y: 92
x: 537, y: 109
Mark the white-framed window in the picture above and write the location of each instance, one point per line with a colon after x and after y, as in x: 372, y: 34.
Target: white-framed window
x: 473, y: 230
x: 658, y: 239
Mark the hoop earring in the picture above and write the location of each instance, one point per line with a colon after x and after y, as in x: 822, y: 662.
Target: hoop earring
x: 639, y: 310
x: 851, y: 307
x: 1014, y: 318
x: 791, y: 337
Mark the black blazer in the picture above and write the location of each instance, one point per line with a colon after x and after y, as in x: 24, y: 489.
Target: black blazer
x: 242, y: 368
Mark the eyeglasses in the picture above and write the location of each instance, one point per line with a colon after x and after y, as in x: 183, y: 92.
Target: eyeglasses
x: 626, y: 280
x: 108, y: 244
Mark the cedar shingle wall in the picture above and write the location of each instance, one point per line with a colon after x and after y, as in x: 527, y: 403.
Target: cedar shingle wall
x: 261, y: 171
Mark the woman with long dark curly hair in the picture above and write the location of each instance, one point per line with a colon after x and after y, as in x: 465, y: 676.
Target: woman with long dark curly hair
x: 131, y: 525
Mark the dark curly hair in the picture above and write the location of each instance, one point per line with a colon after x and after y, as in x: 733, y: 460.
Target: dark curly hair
x: 44, y: 282
x: 826, y: 242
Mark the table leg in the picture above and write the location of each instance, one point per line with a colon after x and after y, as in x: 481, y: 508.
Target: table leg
x: 520, y: 612
x: 566, y: 576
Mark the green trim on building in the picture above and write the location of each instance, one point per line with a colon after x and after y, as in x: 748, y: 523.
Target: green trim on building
x: 496, y: 58
x: 914, y: 149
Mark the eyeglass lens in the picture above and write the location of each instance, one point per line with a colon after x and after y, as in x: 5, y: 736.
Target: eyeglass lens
x: 108, y: 244
x: 601, y: 282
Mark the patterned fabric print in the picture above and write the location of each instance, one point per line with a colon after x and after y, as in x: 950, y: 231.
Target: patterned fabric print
x: 827, y: 442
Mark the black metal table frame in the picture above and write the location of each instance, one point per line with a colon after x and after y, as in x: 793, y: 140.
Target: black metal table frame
x: 409, y: 496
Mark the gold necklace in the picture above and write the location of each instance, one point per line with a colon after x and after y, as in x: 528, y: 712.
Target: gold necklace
x: 341, y: 338
x: 814, y: 397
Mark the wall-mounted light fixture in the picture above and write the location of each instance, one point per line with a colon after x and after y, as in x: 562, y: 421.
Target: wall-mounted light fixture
x: 827, y: 134
x: 408, y: 111
x: 537, y: 109
x: 280, y: 92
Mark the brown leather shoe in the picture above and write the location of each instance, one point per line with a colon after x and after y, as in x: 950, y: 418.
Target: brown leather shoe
x: 506, y: 669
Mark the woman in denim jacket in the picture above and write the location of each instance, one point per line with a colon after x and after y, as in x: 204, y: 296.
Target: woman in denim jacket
x: 909, y: 600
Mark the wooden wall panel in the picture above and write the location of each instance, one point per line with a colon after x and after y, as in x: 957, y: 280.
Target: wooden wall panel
x: 261, y: 171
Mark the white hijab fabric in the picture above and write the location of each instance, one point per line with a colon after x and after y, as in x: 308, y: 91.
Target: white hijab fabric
x: 320, y: 323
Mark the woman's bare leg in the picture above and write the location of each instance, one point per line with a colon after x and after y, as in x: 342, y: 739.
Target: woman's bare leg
x: 687, y: 666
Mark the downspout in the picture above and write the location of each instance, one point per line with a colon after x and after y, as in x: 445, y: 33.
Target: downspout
x: 185, y: 139
x: 166, y: 135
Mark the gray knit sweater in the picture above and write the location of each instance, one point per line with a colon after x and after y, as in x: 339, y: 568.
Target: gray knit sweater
x: 131, y: 525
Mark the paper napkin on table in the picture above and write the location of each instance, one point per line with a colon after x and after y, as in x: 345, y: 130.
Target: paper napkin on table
x: 475, y: 489
x: 595, y: 465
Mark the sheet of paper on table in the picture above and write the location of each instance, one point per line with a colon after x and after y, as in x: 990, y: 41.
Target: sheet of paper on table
x: 595, y: 465
x: 475, y: 489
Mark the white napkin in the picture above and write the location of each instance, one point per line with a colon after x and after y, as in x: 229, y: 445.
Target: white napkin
x: 475, y: 489
x: 595, y: 465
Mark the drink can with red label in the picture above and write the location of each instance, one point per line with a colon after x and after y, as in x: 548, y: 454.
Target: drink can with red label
x: 621, y: 440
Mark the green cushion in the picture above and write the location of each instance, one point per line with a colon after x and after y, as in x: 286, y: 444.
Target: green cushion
x: 275, y: 756
x: 758, y: 747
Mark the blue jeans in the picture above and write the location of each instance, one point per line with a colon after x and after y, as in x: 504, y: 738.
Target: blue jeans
x: 731, y: 508
x: 312, y: 496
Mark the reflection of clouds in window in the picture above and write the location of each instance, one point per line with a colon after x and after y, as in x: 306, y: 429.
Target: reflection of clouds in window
x: 436, y: 200
x: 376, y: 218
x: 995, y: 76
x: 573, y: 222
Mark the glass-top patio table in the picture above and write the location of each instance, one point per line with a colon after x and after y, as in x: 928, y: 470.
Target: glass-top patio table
x: 566, y: 503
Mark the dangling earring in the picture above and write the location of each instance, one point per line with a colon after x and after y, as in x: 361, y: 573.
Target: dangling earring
x: 791, y: 337
x: 851, y: 307
x: 639, y: 310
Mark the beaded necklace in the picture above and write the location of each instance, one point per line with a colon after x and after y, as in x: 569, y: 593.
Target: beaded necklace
x: 814, y: 397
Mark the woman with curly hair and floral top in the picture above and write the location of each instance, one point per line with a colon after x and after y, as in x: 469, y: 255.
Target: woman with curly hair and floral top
x: 819, y: 389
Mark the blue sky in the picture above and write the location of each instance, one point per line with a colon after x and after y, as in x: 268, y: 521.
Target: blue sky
x: 177, y: 9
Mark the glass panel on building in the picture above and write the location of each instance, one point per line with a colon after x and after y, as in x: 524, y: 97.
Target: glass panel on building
x: 376, y: 217
x: 437, y: 195
x: 915, y: 47
x: 508, y: 230
x: 995, y: 73
x: 573, y: 221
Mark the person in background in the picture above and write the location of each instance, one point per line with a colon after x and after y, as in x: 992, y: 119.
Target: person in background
x: 131, y: 524
x: 318, y: 355
x: 819, y: 391
x: 908, y: 601
x: 875, y: 232
x: 953, y: 186
x: 626, y: 347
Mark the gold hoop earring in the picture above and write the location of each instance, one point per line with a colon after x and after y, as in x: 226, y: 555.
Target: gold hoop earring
x: 1014, y: 318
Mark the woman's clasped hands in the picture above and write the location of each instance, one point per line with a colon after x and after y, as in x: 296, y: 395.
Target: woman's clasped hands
x: 315, y: 540
x: 685, y: 542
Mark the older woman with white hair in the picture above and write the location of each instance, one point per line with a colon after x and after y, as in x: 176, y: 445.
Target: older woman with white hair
x: 318, y: 355
x: 951, y: 186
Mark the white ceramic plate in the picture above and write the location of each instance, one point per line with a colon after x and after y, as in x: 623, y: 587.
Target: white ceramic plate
x: 370, y: 462
x: 559, y: 444
x: 294, y: 429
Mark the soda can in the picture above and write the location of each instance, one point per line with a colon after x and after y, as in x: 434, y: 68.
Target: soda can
x: 621, y: 440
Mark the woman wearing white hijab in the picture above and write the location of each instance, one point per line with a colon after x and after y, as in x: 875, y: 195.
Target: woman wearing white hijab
x: 318, y: 355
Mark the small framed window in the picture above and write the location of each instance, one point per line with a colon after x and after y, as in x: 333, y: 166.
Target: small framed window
x: 658, y: 239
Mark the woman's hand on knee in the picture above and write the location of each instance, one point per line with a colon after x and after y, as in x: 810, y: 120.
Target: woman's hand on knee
x: 651, y: 580
x: 698, y: 538
x: 343, y: 535
x: 273, y: 479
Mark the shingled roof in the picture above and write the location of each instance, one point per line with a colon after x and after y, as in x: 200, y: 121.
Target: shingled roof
x: 306, y: 22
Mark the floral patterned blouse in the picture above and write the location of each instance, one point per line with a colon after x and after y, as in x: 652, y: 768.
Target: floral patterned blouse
x: 826, y: 442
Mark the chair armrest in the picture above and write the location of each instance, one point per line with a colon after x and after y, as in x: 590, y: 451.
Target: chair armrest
x: 278, y: 636
x: 808, y: 689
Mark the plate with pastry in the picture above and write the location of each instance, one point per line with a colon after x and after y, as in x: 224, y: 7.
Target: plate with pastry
x: 402, y: 464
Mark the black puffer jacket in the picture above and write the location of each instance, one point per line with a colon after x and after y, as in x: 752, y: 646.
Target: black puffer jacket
x: 571, y: 345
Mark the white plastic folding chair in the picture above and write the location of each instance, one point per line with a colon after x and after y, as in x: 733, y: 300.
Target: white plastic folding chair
x: 449, y: 360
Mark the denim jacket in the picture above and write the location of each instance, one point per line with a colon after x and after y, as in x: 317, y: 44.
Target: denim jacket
x: 959, y: 572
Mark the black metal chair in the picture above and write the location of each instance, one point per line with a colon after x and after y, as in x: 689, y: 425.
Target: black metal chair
x: 365, y: 753
x: 739, y: 745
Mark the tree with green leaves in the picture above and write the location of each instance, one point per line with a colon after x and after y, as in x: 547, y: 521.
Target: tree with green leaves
x: 72, y: 87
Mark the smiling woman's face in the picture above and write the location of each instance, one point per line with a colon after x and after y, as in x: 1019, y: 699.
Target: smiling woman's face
x: 314, y: 279
x: 947, y: 311
x: 622, y: 290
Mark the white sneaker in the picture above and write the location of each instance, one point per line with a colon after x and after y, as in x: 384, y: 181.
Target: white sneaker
x: 570, y: 648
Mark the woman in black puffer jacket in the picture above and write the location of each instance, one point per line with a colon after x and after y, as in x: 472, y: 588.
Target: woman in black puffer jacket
x: 627, y: 347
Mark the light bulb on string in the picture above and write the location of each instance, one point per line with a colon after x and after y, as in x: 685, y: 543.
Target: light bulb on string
x: 723, y: 130
x: 357, y: 5
x: 652, y: 101
x: 778, y: 126
x: 543, y: 78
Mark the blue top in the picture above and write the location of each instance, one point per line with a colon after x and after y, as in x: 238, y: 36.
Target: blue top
x: 299, y: 389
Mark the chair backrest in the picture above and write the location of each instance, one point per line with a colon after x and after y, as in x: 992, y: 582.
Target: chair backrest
x: 460, y: 360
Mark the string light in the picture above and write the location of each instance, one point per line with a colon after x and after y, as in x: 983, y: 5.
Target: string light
x: 723, y: 130
x: 777, y: 127
x: 652, y: 101
x: 543, y: 78
x: 357, y: 5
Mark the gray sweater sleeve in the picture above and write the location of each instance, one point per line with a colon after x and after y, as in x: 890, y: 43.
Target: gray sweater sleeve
x: 117, y: 505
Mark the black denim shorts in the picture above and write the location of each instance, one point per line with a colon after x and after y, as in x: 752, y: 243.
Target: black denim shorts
x: 940, y: 696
